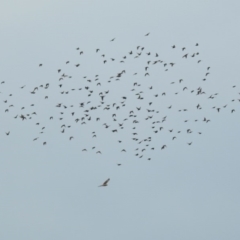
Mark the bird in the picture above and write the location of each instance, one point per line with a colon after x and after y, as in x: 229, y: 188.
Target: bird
x: 105, y: 184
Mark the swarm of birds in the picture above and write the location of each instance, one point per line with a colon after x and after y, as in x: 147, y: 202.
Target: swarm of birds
x: 142, y: 105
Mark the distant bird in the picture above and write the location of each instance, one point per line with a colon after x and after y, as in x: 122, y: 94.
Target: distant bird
x: 105, y: 183
x: 164, y: 146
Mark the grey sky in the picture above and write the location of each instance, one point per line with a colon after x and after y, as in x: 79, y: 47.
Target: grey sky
x: 184, y: 192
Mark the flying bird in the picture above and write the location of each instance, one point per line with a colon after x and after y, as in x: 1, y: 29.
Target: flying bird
x: 105, y: 183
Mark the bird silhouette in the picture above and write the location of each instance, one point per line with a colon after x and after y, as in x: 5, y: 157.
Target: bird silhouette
x: 105, y: 184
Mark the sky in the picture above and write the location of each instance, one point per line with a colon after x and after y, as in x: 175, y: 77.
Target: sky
x: 185, y: 191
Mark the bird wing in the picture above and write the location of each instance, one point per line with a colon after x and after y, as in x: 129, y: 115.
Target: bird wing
x: 106, y: 181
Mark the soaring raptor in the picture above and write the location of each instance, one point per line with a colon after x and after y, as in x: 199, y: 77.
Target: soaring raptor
x: 105, y: 183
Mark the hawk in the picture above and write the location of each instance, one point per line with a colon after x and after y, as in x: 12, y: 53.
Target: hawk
x: 105, y: 183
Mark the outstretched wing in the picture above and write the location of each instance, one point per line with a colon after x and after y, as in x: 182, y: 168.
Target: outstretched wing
x: 105, y: 183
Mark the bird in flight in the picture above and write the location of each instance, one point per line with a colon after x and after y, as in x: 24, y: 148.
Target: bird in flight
x: 105, y: 183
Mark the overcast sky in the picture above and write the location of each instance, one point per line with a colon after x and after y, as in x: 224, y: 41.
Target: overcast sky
x: 184, y: 192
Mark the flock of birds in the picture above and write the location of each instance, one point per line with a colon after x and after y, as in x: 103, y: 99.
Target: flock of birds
x: 137, y: 116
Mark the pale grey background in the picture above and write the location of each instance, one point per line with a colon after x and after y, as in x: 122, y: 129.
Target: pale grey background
x: 51, y: 192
